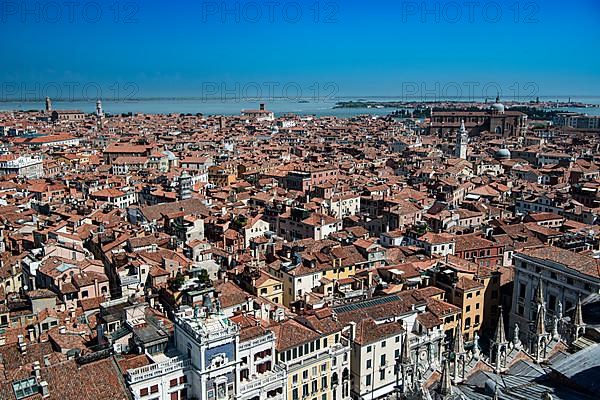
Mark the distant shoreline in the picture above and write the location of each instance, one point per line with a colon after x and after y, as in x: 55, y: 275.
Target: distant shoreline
x: 458, y: 104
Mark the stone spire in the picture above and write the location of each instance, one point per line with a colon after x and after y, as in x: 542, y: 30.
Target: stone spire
x: 539, y: 336
x: 578, y: 317
x: 445, y: 387
x: 459, y: 340
x: 540, y: 325
x: 405, y: 357
x: 407, y: 367
x: 499, y: 345
x: 460, y: 355
x: 578, y: 324
x: 539, y: 293
x: 500, y: 334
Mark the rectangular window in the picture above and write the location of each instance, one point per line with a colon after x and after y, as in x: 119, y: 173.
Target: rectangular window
x: 383, y: 360
x: 173, y: 382
x: 382, y: 375
x: 368, y: 380
x: 552, y: 302
x: 522, y: 288
x: 154, y: 389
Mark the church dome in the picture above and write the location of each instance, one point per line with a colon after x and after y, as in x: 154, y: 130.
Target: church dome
x: 499, y: 107
x: 502, y: 154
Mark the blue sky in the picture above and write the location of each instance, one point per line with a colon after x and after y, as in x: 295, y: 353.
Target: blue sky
x: 346, y: 48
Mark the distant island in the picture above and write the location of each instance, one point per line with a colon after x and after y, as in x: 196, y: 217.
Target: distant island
x: 459, y: 104
x: 535, y: 109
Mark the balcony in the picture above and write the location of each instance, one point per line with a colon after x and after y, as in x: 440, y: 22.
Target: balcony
x: 257, y: 342
x: 340, y: 348
x: 262, y: 381
x: 315, y: 356
x: 155, y: 370
x: 128, y: 280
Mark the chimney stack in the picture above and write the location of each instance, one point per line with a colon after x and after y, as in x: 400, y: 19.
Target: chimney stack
x: 262, y: 106
x: 22, y: 345
x: 352, y: 330
x: 44, y: 389
x: 36, y: 370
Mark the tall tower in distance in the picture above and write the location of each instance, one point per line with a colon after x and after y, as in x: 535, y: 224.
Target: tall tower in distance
x: 48, y: 105
x: 462, y: 139
x: 99, y: 112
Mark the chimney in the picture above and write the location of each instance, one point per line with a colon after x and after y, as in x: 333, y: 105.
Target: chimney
x: 31, y: 332
x: 262, y: 106
x: 36, y: 370
x: 44, y: 389
x: 62, y: 329
x: 352, y: 330
x: 22, y: 344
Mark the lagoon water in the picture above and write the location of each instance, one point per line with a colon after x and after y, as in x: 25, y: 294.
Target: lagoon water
x: 309, y: 106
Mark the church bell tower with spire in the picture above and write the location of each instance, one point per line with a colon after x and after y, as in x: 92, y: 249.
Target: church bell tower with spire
x: 462, y: 140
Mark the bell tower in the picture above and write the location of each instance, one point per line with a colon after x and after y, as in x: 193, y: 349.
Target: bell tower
x: 462, y: 140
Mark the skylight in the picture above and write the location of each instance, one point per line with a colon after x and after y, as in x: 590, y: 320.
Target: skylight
x: 25, y: 388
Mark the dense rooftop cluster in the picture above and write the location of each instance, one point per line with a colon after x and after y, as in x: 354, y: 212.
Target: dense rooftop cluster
x: 283, y: 257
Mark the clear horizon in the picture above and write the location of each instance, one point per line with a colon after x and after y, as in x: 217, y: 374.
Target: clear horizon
x: 301, y: 49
